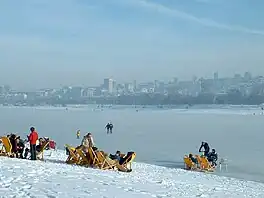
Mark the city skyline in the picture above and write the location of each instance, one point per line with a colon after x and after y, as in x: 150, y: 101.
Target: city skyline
x: 239, y: 89
x: 111, y: 83
x: 49, y: 44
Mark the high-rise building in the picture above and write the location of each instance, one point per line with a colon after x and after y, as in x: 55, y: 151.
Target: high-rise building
x: 194, y: 79
x: 216, y: 76
x: 114, y: 86
x: 247, y: 76
x: 175, y: 80
x: 135, y: 85
x: 156, y: 84
x: 109, y: 85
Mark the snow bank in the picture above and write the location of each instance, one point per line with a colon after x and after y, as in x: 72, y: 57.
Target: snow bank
x: 54, y: 178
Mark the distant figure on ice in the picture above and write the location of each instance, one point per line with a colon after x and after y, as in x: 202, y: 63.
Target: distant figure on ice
x: 206, y: 148
x: 78, y: 134
x: 109, y: 127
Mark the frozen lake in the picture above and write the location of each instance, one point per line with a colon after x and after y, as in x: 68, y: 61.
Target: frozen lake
x: 159, y: 137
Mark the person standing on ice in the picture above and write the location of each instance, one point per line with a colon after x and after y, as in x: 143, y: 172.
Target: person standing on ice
x: 33, y: 137
x: 206, y: 148
x: 109, y: 127
x: 78, y: 134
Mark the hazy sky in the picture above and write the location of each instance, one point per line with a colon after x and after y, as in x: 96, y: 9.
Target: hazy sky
x: 47, y: 43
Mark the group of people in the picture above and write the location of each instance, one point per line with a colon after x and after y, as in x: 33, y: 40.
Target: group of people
x: 18, y: 145
x: 88, y: 142
x: 109, y: 127
x: 21, y: 148
x: 212, y: 157
x: 118, y: 156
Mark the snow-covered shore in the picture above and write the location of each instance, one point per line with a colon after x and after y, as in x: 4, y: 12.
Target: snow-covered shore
x: 54, y: 178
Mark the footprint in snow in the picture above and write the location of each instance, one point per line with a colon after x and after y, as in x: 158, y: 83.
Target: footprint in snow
x: 17, y: 179
x: 129, y: 190
x: 142, y: 192
x: 88, y: 192
x: 159, y: 196
x: 6, y: 185
x: 201, y: 195
x: 31, y: 174
x: 27, y: 187
x: 23, y: 183
x: 51, y: 196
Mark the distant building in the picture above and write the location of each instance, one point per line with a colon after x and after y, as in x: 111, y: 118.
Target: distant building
x: 145, y: 87
x: 194, y: 79
x: 159, y: 87
x: 2, y: 90
x: 216, y: 76
x: 247, y: 76
x: 75, y: 92
x: 207, y: 86
x: 237, y: 76
x: 89, y: 92
x: 114, y: 86
x: 135, y: 85
x: 129, y: 88
x: 175, y: 80
x: 5, y: 89
x: 109, y: 85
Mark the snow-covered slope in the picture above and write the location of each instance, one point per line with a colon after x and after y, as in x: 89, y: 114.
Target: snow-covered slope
x: 54, y: 178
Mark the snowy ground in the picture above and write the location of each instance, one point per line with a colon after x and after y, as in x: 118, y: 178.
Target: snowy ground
x: 53, y: 178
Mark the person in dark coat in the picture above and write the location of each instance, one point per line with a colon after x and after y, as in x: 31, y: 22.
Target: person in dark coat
x: 20, y: 147
x: 194, y: 160
x: 107, y: 127
x: 117, y: 156
x: 206, y: 148
x: 213, y: 157
x: 13, y: 142
x: 27, y: 148
x: 111, y: 126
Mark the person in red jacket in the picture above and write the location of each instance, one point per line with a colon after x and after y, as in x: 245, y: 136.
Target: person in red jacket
x: 33, y: 137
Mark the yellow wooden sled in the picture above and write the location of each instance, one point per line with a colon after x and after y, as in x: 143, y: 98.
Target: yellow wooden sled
x: 203, y: 164
x: 98, y: 159
x: 6, y: 149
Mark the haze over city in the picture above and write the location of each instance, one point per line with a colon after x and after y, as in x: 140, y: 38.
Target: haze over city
x: 51, y: 43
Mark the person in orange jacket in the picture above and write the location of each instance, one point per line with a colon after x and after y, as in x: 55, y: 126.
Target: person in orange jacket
x: 33, y: 137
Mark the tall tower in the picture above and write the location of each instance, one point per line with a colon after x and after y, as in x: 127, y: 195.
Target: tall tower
x: 109, y: 84
x: 247, y: 76
x: 135, y: 85
x: 216, y: 76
